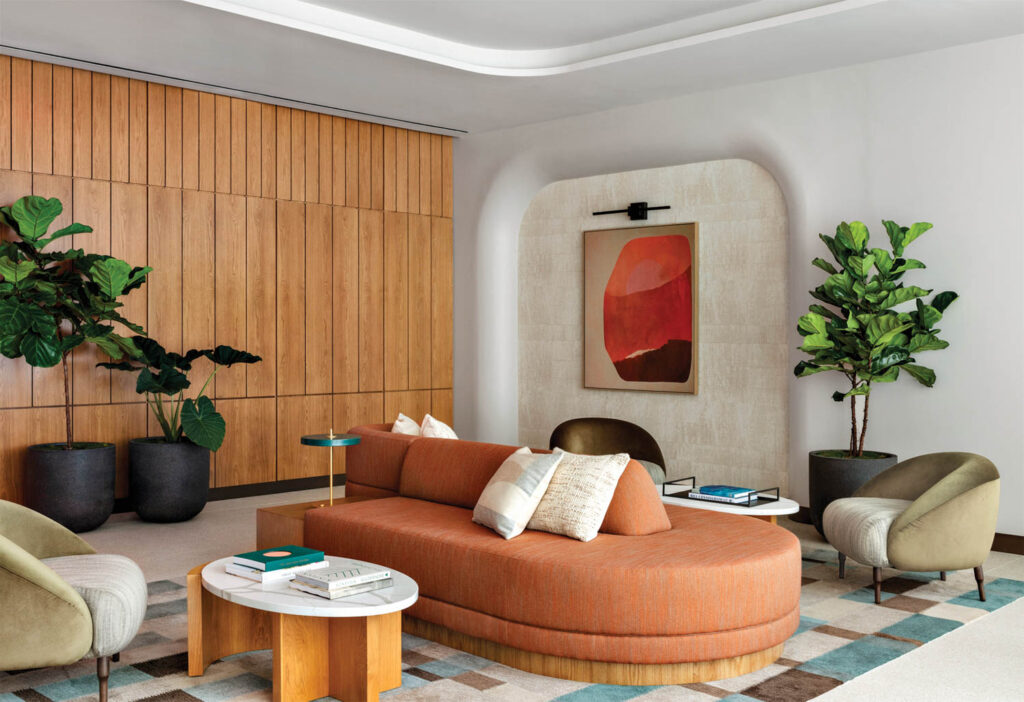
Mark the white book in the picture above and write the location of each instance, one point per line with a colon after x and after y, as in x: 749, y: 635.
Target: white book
x: 273, y: 576
x: 344, y: 573
x: 719, y: 498
x: 343, y: 592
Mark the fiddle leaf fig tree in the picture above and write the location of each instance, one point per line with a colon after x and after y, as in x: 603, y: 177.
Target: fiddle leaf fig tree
x: 858, y: 331
x: 54, y: 301
x: 164, y: 374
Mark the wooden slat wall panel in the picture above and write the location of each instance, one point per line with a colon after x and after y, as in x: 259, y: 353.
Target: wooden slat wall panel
x: 419, y: 301
x: 319, y: 311
x: 345, y: 347
x: 62, y: 108
x: 396, y: 301
x: 230, y: 279
x: 261, y: 295
x: 128, y: 226
x: 291, y: 300
x: 371, y: 300
x: 320, y: 243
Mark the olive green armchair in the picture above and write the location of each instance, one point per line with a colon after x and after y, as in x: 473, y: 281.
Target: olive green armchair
x: 63, y: 601
x: 935, y: 512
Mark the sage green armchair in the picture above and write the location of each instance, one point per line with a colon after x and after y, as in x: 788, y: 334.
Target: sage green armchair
x: 935, y: 512
x: 63, y: 601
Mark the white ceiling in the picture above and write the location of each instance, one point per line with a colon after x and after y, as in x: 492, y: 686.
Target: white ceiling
x: 475, y: 66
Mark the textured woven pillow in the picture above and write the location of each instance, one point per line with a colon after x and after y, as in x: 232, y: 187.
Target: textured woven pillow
x: 515, y: 490
x: 579, y: 494
x: 435, y: 428
x: 405, y: 425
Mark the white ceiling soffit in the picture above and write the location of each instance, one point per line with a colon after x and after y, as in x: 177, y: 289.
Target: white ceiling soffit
x: 701, y: 22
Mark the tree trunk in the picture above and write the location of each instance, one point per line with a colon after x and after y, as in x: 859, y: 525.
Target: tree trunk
x: 68, y: 415
x: 863, y: 425
x: 853, y: 425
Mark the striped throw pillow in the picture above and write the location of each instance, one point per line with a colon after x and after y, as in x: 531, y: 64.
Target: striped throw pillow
x: 514, y: 491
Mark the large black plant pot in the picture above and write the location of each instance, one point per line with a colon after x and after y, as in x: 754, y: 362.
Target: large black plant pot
x: 74, y: 488
x: 170, y: 482
x: 832, y: 476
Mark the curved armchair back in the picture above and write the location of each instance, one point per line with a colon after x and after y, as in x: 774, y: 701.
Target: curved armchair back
x: 603, y: 435
x: 908, y: 480
x: 39, y: 535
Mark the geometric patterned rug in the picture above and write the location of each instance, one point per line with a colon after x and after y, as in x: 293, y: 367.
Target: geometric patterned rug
x: 842, y: 634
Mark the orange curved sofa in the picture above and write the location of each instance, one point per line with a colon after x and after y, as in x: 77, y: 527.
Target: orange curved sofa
x: 712, y: 596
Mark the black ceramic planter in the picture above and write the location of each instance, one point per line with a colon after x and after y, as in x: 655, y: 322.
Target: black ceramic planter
x: 832, y: 477
x: 74, y: 488
x: 170, y: 482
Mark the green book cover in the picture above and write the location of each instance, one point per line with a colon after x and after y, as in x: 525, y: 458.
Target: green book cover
x: 279, y: 557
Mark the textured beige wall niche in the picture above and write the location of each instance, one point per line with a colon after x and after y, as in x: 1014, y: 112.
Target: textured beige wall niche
x: 736, y: 429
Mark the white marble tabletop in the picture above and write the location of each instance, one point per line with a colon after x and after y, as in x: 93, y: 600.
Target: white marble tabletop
x: 765, y: 509
x: 280, y: 597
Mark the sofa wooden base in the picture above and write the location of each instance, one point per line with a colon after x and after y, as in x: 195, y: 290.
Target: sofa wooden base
x: 594, y: 671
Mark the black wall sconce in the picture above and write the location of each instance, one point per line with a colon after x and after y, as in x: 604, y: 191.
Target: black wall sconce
x: 636, y: 210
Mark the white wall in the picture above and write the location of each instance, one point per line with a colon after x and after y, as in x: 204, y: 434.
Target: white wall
x: 936, y: 137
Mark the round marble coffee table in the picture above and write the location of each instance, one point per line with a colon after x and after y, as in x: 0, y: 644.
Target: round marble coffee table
x: 349, y: 648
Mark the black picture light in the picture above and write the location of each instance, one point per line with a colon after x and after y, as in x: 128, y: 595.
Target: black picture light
x: 636, y: 210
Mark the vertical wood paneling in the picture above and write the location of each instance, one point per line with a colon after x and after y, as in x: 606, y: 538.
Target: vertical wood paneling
x: 435, y: 175
x: 172, y: 137
x: 164, y: 283
x: 298, y: 155
x: 198, y: 280
x: 268, y: 150
x: 396, y: 301
x: 319, y: 264
x: 419, y: 301
x: 222, y: 144
x: 62, y: 109
x: 128, y: 241
x: 352, y: 161
x: 371, y: 300
x: 365, y: 152
x: 120, y: 119
x: 338, y: 160
x: 21, y: 114
x: 15, y: 374
x: 402, y: 170
x: 237, y: 146
x: 441, y: 302
x: 230, y: 288
x: 249, y: 451
x: 414, y: 172
x: 42, y: 117
x: 253, y: 149
x: 441, y: 406
x: 91, y: 206
x: 312, y: 157
x: 390, y: 168
x: 284, y: 153
x: 156, y: 142
x: 412, y: 403
x: 189, y: 139
x: 117, y: 424
x: 101, y: 128
x: 5, y: 112
x: 297, y: 416
x: 345, y: 290
x: 447, y: 175
x: 326, y: 159
x: 207, y: 142
x: 377, y: 166
x: 81, y: 123
x: 353, y: 410
x: 21, y: 429
x: 138, y: 143
x: 291, y: 300
x: 261, y: 295
x: 424, y: 173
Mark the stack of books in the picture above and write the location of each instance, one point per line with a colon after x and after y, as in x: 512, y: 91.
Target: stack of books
x: 723, y: 493
x: 344, y: 578
x: 271, y: 565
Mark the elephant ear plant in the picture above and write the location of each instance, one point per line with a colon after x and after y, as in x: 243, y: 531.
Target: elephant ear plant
x: 163, y: 374
x: 858, y: 331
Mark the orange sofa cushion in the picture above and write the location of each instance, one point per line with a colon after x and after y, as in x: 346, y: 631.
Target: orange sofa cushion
x: 450, y: 471
x: 636, y: 508
x: 374, y: 465
x: 710, y: 572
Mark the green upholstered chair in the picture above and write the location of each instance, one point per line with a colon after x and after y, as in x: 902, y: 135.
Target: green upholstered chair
x: 62, y: 601
x: 935, y: 512
x: 597, y: 436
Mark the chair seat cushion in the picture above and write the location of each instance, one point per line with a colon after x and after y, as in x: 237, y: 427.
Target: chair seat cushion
x: 859, y: 527
x: 114, y: 589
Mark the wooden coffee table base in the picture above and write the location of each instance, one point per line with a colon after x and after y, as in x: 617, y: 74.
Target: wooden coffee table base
x: 351, y: 658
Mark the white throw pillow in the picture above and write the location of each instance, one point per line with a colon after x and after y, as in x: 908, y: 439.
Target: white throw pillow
x: 514, y: 491
x: 435, y: 428
x: 405, y: 425
x: 579, y: 494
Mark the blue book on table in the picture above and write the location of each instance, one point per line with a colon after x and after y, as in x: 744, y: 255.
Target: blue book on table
x: 729, y: 491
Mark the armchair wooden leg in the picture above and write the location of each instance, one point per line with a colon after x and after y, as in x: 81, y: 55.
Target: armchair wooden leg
x: 979, y: 575
x: 876, y: 576
x: 842, y: 566
x: 942, y: 575
x: 103, y: 673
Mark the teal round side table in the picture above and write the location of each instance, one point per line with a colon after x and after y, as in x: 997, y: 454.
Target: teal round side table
x: 330, y: 440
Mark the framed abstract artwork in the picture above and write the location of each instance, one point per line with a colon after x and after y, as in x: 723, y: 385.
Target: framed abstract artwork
x: 640, y: 308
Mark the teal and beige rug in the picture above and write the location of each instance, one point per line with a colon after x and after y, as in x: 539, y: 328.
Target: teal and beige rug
x: 842, y: 635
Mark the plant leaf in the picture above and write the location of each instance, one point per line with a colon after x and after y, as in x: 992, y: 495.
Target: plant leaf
x: 896, y: 235
x: 202, y: 424
x: 15, y: 272
x: 888, y: 357
x: 111, y: 275
x: 167, y: 381
x: 901, y: 295
x: 926, y: 342
x: 40, y: 351
x: 859, y: 234
x: 916, y: 230
x: 74, y: 228
x: 923, y: 375
x: 34, y: 215
x: 824, y: 265
x: 943, y: 300
x: 227, y: 356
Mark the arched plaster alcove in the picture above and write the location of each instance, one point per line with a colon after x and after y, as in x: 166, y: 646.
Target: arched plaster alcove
x: 735, y: 430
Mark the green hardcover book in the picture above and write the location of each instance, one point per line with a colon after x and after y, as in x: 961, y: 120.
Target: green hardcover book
x: 279, y: 557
